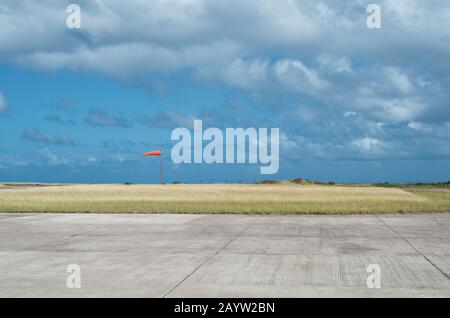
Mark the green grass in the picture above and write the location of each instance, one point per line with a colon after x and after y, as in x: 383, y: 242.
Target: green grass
x: 259, y: 199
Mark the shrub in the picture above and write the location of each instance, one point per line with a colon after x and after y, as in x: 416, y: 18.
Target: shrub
x: 269, y: 182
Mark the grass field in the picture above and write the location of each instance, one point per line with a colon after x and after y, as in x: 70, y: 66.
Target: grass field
x: 278, y: 199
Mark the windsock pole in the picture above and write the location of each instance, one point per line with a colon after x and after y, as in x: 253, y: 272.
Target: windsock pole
x: 161, y: 175
x: 157, y: 153
x: 161, y: 169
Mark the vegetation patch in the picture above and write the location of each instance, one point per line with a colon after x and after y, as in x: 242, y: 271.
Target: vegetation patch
x: 256, y: 199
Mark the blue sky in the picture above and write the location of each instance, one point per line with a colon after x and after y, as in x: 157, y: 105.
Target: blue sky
x: 353, y: 104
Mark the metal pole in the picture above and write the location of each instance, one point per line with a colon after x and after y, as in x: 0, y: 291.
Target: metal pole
x: 161, y: 169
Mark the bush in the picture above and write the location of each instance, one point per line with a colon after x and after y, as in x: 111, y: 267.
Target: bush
x: 301, y: 181
x: 269, y: 182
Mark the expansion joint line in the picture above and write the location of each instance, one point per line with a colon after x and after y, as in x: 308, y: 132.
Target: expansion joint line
x: 410, y: 244
x: 206, y: 261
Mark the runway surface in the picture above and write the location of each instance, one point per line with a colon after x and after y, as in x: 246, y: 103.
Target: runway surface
x: 224, y: 255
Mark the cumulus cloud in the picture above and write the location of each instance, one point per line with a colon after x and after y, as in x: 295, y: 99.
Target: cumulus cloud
x: 296, y: 75
x: 260, y: 22
x: 247, y: 74
x: 37, y: 136
x: 100, y: 117
x: 261, y: 74
x: 399, y: 80
x: 368, y: 145
x: 314, y: 66
x: 126, y: 39
x: 335, y: 64
x: 399, y: 110
x: 234, y: 42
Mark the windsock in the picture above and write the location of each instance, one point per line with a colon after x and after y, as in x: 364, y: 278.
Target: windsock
x: 152, y: 153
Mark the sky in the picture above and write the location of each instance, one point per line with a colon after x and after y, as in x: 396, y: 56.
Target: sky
x: 353, y: 104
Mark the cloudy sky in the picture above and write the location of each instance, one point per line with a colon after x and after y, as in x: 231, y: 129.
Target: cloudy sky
x: 353, y: 104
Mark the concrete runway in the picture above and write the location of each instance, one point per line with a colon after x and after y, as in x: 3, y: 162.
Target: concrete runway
x: 224, y: 255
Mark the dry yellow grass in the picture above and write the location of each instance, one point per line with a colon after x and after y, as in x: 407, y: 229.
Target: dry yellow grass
x: 285, y: 198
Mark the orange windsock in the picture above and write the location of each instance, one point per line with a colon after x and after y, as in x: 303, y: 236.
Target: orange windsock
x: 152, y: 153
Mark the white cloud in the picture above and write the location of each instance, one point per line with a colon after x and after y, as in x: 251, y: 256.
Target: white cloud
x: 368, y: 145
x: 437, y: 130
x: 262, y: 75
x: 399, y: 80
x: 409, y: 12
x: 140, y: 35
x: 350, y: 114
x: 160, y: 33
x: 335, y: 64
x: 391, y: 109
x: 247, y: 74
x: 295, y: 74
x: 92, y: 160
x: 250, y: 45
x: 400, y: 110
x: 126, y: 61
